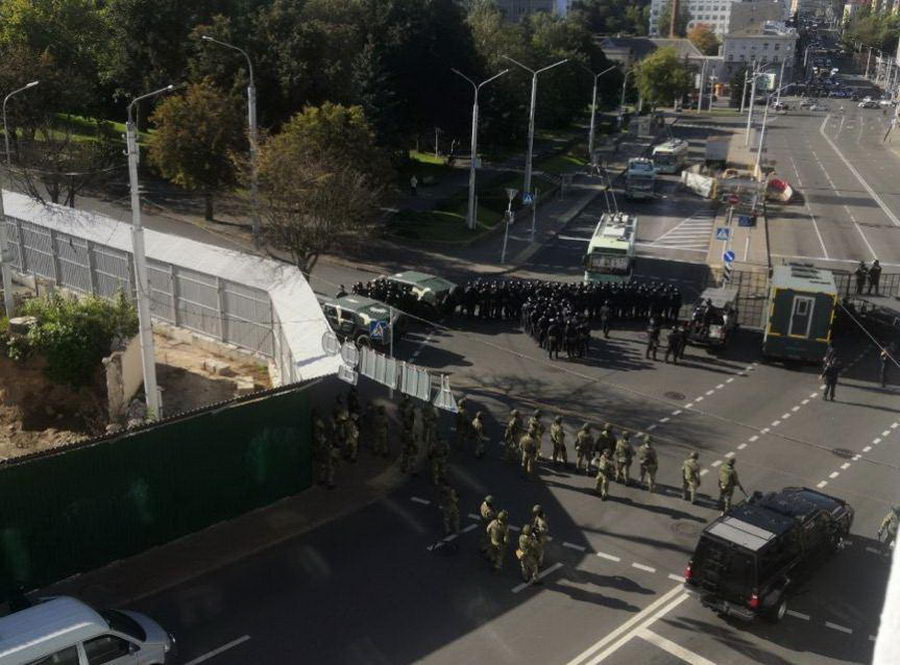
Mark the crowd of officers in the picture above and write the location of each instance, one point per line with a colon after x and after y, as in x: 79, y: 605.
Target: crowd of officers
x: 608, y: 457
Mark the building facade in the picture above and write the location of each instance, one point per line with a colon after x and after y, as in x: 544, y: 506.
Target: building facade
x: 771, y: 44
x: 723, y: 16
x: 516, y: 10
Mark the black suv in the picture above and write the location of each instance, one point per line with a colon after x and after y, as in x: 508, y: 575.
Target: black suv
x: 747, y: 560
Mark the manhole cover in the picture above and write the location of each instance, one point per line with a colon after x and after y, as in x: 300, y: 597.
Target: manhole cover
x: 686, y: 529
x: 676, y: 396
x: 843, y: 452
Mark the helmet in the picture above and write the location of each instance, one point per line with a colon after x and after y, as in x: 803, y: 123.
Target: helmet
x: 478, y: 414
x: 536, y: 509
x: 514, y: 412
x: 502, y: 515
x: 647, y: 439
x: 607, y: 426
x: 626, y: 435
x: 537, y: 413
x: 558, y: 419
x: 731, y: 462
x: 694, y: 455
x: 526, y: 530
x: 586, y: 427
x: 489, y: 499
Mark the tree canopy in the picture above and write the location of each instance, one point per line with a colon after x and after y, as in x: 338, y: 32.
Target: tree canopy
x: 703, y: 37
x: 664, y: 20
x: 663, y: 77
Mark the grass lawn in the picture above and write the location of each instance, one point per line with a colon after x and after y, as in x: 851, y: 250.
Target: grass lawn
x: 428, y: 169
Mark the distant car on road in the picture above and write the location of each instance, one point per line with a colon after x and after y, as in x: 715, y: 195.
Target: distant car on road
x: 868, y: 105
x: 749, y: 561
x: 780, y: 106
x: 818, y: 107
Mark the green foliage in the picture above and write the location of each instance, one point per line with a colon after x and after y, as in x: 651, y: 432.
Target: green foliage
x: 663, y: 77
x: 195, y: 138
x: 879, y: 30
x: 606, y: 17
x: 702, y: 36
x: 75, y: 334
x: 664, y: 20
x: 736, y: 84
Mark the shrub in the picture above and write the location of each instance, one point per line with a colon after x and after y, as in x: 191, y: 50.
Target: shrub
x: 75, y: 334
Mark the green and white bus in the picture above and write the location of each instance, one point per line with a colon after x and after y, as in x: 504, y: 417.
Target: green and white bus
x: 610, y: 253
x: 671, y: 156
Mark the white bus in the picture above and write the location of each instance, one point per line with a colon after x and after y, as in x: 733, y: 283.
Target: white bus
x: 671, y: 156
x: 610, y: 253
x: 640, y: 179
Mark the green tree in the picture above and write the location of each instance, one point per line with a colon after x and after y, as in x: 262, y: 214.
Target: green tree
x: 606, y: 17
x: 663, y: 77
x: 702, y: 36
x: 664, y: 20
x: 196, y: 136
x: 736, y: 85
x: 321, y: 177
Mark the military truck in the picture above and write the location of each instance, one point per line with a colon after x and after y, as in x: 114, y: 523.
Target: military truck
x: 362, y: 320
x: 433, y: 295
x: 748, y: 561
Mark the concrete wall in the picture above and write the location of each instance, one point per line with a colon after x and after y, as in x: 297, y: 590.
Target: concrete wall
x: 124, y: 377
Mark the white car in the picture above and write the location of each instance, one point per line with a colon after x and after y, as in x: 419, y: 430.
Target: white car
x: 887, y: 102
x: 818, y: 107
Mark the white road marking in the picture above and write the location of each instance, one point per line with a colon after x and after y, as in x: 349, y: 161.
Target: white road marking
x: 795, y: 409
x: 703, y: 472
x: 856, y: 458
x: 699, y: 399
x: 822, y: 484
x: 805, y: 402
x: 895, y: 425
x: 753, y: 438
x: 720, y: 386
x: 573, y: 546
x: 651, y: 427
x: 615, y: 639
x: 873, y: 550
x: 814, y: 395
x: 886, y: 432
x: 514, y: 528
x: 810, y: 213
x: 641, y: 566
x: 742, y: 446
x: 765, y: 430
x: 867, y: 449
x: 876, y: 441
x: 424, y: 502
x: 845, y: 466
x: 451, y: 537
x: 836, y: 626
x: 676, y: 412
x: 604, y: 555
x: 688, y: 406
x: 673, y: 648
x: 785, y: 416
x: 798, y: 615
x: 676, y: 578
x: 216, y: 652
x: 833, y: 475
x: 776, y: 423
x: 716, y: 463
x: 473, y: 516
x: 541, y: 575
x: 822, y: 387
x: 469, y: 528
x: 729, y: 380
x: 710, y: 392
x: 729, y: 454
x: 664, y: 420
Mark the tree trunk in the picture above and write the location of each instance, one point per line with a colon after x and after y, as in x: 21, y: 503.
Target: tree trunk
x: 208, y: 199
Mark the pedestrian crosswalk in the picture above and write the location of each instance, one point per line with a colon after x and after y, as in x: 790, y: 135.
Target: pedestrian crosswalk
x: 692, y: 233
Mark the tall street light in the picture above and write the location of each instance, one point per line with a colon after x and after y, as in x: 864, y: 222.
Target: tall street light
x: 148, y: 356
x: 621, y: 117
x: 253, y: 134
x: 534, y: 74
x: 470, y: 216
x: 5, y: 258
x: 592, y: 132
x: 757, y: 73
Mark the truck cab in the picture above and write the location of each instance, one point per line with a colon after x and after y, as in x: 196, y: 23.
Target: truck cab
x: 640, y: 179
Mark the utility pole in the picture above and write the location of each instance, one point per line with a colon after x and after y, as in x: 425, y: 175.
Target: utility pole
x: 470, y: 215
x: 534, y: 77
x: 594, y: 111
x: 702, y: 78
x: 868, y: 61
x: 780, y: 81
x: 5, y: 258
x: 622, y: 100
x: 145, y: 328
x: 744, y: 94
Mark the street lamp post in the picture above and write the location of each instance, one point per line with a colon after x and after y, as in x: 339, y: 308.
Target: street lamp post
x: 702, y: 80
x: 759, y: 72
x: 145, y: 329
x: 253, y: 135
x: 470, y: 216
x: 534, y: 74
x: 594, y: 110
x: 744, y: 95
x: 8, y: 301
x: 868, y: 61
x: 622, y: 99
x: 805, y: 56
x: 780, y: 82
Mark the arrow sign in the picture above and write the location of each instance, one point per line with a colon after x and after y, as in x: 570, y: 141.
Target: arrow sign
x: 728, y: 256
x: 723, y: 233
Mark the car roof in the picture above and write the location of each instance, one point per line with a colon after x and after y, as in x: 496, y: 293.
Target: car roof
x: 423, y: 280
x: 762, y: 518
x: 741, y: 533
x: 48, y: 627
x: 797, y: 502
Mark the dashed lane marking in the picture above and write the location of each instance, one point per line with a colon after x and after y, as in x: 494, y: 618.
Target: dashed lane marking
x: 814, y: 395
x: 845, y: 466
x: 742, y: 446
x: 729, y: 380
x: 775, y: 423
x: 573, y: 546
x: 676, y: 578
x: 798, y: 615
x: 473, y: 516
x: 867, y: 449
x: 604, y: 555
x: 469, y: 528
x: 699, y: 399
x: 795, y: 409
x: 765, y: 430
x: 689, y: 406
x: 834, y: 474
x: 837, y: 626
x: 876, y: 441
x: 822, y: 484
x: 541, y: 575
x: 220, y: 650
x: 424, y: 502
x: 729, y: 454
x: 710, y: 392
x: 895, y: 425
x: 703, y: 472
x: 753, y: 438
x: 664, y: 420
x: 805, y: 402
x: 886, y: 432
x: 785, y: 416
x: 651, y: 427
x: 641, y: 566
x: 676, y: 412
x: 720, y: 386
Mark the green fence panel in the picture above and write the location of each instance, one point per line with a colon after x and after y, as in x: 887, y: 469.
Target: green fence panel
x: 81, y: 508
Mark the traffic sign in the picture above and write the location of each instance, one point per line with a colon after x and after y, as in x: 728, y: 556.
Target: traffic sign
x: 527, y: 198
x: 723, y: 233
x: 377, y: 330
x: 734, y: 199
x: 330, y: 343
x: 726, y: 273
x: 350, y: 354
x: 728, y: 256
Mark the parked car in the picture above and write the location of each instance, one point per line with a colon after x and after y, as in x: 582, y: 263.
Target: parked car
x: 780, y: 106
x: 748, y: 561
x: 868, y: 105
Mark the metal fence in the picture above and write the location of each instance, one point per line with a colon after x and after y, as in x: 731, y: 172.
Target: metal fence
x: 222, y: 309
x: 753, y: 290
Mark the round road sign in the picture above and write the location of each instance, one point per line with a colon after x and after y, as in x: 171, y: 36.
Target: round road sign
x: 733, y: 200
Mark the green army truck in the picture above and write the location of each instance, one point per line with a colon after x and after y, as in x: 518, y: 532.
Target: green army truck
x: 801, y: 305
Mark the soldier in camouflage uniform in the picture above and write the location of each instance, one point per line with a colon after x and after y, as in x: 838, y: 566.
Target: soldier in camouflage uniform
x: 351, y: 451
x: 437, y: 455
x: 488, y: 513
x: 479, y: 435
x: 606, y: 440
x: 450, y: 509
x: 690, y: 477
x: 429, y: 425
x: 537, y: 425
x: 320, y: 445
x: 511, y: 436
x: 541, y: 528
x: 381, y: 432
x: 728, y: 480
x: 528, y: 555
x: 649, y: 462
x: 624, y: 456
x: 408, y: 448
x: 528, y: 446
x: 498, y: 537
x: 462, y: 424
x: 605, y: 472
x: 558, y: 440
x: 584, y: 448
